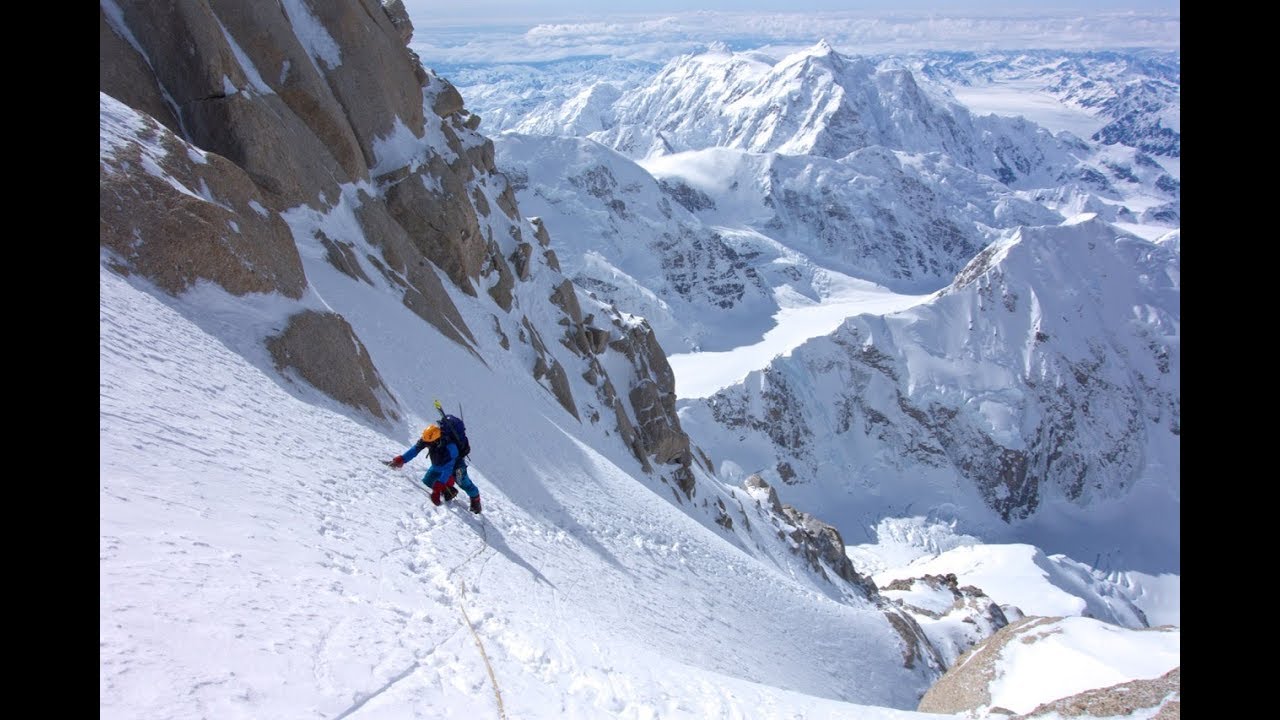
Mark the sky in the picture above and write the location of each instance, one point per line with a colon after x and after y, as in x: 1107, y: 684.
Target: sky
x: 501, y: 11
x: 491, y: 32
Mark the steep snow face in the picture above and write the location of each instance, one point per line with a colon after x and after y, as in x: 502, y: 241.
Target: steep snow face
x: 429, y: 245
x: 1035, y: 397
x: 416, y: 278
x: 258, y: 560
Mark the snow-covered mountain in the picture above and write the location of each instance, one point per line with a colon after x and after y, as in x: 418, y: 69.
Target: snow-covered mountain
x: 700, y: 243
x: 570, y: 97
x: 1130, y: 98
x: 907, y: 221
x: 623, y: 238
x: 820, y: 163
x: 1045, y: 378
x: 820, y: 102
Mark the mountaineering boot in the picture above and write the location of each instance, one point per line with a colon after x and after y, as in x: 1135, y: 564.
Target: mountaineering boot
x: 475, y: 504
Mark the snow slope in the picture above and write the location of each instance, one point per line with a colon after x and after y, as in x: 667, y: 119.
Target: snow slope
x: 257, y: 560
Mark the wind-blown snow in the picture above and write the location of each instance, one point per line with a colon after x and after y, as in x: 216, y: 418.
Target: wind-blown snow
x: 121, y: 125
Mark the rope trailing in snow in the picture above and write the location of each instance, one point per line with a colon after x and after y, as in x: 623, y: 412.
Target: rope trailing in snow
x: 493, y: 679
x: 462, y: 589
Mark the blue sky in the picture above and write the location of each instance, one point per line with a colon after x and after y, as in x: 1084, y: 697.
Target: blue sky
x: 505, y: 31
x: 487, y: 12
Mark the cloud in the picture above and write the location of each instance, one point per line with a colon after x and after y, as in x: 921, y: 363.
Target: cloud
x: 658, y: 38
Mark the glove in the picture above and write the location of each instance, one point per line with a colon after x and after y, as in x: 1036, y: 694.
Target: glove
x: 396, y: 462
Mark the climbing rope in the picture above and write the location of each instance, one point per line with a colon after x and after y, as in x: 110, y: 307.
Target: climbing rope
x: 462, y: 590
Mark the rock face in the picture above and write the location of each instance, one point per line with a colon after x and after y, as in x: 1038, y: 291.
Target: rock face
x: 817, y: 542
x: 954, y: 618
x: 322, y: 348
x: 236, y: 133
x: 166, y: 223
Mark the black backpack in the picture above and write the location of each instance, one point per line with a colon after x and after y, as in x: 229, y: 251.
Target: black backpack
x: 456, y: 432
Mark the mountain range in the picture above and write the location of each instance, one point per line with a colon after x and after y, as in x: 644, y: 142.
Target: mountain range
x: 1039, y: 361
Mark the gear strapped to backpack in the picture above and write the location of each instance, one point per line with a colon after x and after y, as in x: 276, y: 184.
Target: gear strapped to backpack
x: 456, y: 431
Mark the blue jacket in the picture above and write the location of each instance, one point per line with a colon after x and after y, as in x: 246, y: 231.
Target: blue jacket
x: 444, y: 456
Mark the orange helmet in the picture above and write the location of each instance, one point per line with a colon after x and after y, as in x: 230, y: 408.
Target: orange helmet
x: 432, y: 433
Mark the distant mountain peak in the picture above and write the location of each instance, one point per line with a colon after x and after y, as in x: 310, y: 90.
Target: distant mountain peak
x: 823, y: 52
x: 718, y: 47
